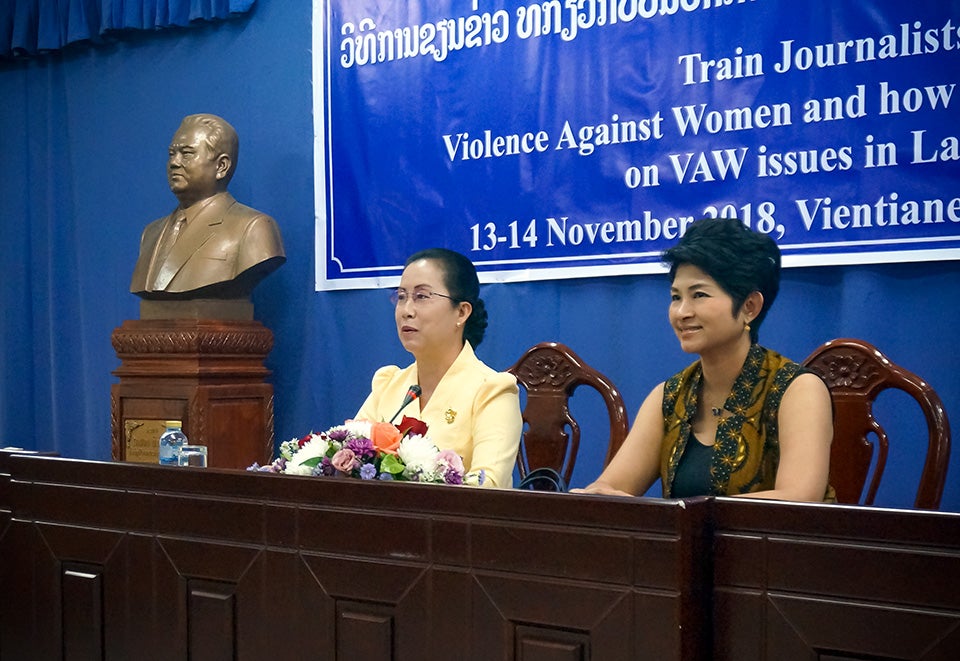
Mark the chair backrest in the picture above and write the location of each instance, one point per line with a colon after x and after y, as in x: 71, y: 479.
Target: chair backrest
x: 856, y: 372
x: 550, y: 372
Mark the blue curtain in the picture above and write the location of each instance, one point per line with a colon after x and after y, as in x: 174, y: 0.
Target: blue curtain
x: 30, y: 27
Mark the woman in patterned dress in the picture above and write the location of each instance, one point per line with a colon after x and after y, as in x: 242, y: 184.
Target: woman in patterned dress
x: 742, y: 420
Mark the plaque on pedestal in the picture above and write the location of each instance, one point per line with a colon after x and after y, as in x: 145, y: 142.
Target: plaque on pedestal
x: 140, y: 440
x: 207, y: 373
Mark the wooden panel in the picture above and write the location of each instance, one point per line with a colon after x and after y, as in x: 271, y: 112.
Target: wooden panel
x: 235, y: 421
x: 145, y: 602
x: 830, y: 582
x: 803, y: 625
x: 449, y: 620
x: 82, y: 608
x: 546, y: 644
x: 595, y: 615
x: 366, y: 533
x: 558, y: 551
x: 737, y: 557
x: 80, y: 506
x: 211, y: 628
x: 31, y: 620
x: 739, y: 618
x: 865, y: 571
x: 364, y: 631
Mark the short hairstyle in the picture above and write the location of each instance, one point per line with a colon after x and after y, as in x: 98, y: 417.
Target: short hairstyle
x: 221, y: 137
x: 460, y: 279
x: 741, y: 260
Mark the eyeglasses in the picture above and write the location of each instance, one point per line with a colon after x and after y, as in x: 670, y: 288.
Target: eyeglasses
x: 419, y: 297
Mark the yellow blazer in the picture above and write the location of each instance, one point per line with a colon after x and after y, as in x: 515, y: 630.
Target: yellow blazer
x: 474, y: 411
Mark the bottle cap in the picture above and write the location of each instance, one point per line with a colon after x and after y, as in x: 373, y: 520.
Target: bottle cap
x: 173, y: 423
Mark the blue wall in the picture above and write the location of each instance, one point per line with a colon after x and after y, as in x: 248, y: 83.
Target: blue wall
x: 84, y: 133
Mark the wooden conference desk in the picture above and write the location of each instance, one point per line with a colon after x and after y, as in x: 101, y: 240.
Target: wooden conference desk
x: 128, y: 561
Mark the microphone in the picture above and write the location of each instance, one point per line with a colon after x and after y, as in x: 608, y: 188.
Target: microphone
x: 412, y: 393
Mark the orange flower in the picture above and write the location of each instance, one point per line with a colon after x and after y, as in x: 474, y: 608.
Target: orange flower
x: 385, y: 437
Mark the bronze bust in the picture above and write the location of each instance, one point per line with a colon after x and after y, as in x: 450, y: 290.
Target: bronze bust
x: 210, y: 246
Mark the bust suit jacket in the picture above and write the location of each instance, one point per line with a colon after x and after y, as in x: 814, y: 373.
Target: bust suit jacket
x: 224, y: 241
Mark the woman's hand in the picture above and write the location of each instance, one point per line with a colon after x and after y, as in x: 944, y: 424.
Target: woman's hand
x: 636, y: 465
x: 601, y: 489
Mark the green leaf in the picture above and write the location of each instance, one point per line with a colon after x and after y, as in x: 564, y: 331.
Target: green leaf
x: 391, y: 464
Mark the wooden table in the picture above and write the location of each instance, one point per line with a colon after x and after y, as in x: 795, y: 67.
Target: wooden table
x: 131, y: 561
x: 134, y: 561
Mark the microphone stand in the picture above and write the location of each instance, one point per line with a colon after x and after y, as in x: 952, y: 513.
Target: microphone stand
x: 412, y: 393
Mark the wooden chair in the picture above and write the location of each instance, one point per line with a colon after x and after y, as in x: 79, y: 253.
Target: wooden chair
x: 856, y: 372
x: 550, y: 373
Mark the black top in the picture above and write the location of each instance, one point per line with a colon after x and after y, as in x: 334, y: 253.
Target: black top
x: 693, y: 472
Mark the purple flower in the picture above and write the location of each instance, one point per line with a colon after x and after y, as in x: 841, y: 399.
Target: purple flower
x: 450, y: 459
x: 275, y: 467
x: 362, y: 447
x: 368, y: 472
x: 386, y: 477
x: 326, y: 467
x: 453, y: 476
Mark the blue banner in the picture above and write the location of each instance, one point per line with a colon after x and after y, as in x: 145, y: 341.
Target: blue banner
x: 579, y: 138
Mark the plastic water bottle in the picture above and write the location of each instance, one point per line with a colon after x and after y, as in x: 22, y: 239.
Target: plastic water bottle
x: 170, y: 443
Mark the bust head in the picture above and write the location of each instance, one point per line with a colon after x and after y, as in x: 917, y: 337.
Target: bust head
x: 202, y: 158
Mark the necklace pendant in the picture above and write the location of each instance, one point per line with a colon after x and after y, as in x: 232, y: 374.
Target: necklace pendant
x: 717, y: 411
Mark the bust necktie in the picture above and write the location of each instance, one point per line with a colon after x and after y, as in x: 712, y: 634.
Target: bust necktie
x: 169, y: 238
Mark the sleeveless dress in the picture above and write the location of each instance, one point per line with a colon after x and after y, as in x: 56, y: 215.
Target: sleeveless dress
x: 746, y: 452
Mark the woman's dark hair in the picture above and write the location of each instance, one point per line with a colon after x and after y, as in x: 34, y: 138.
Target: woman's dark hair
x: 460, y: 279
x: 740, y: 260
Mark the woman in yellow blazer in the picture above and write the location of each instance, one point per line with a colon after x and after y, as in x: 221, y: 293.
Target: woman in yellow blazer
x: 469, y: 407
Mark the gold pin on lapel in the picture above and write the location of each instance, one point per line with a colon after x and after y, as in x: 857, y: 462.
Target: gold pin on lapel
x: 449, y: 415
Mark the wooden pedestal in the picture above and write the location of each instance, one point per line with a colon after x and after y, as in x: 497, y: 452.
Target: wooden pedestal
x: 208, y: 374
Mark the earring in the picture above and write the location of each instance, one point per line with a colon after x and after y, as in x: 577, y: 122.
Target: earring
x: 459, y: 324
x: 746, y: 327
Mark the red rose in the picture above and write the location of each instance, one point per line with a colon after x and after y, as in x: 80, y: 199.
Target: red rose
x: 412, y: 427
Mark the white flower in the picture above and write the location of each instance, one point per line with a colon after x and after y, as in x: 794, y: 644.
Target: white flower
x: 358, y: 428
x: 316, y: 446
x: 289, y: 448
x: 418, y: 454
x: 298, y: 469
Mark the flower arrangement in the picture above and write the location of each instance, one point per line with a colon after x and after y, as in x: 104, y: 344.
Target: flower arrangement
x: 372, y: 451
